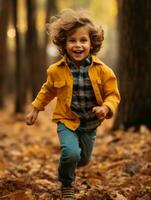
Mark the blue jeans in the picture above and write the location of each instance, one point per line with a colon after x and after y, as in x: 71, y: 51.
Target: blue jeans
x: 76, y: 150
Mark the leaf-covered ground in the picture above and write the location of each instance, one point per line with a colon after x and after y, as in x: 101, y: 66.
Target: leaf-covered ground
x: 120, y: 168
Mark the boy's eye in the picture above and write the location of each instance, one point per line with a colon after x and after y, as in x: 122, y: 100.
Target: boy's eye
x: 71, y: 40
x: 83, y: 40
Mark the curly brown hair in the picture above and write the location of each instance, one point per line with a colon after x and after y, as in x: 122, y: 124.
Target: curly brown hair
x: 67, y: 22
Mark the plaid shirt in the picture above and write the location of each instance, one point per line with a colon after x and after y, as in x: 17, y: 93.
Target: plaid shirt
x: 83, y: 98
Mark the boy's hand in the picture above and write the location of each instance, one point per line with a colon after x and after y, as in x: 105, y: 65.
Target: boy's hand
x: 32, y: 116
x: 100, y: 111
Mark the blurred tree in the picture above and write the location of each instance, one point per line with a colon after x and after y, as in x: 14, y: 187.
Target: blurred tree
x: 37, y: 53
x: 20, y: 76
x: 51, y: 9
x: 32, y: 48
x: 4, y: 15
x: 51, y: 6
x: 134, y: 63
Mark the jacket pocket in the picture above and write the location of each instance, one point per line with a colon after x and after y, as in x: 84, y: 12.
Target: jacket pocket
x: 59, y: 84
x: 61, y: 89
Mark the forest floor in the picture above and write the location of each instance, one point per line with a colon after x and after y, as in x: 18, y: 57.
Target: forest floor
x: 120, y: 168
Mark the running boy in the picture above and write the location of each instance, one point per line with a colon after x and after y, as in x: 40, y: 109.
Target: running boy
x: 86, y: 91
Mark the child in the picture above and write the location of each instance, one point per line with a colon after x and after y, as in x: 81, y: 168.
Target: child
x: 86, y: 91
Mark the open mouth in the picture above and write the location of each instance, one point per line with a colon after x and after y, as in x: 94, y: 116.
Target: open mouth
x: 78, y: 51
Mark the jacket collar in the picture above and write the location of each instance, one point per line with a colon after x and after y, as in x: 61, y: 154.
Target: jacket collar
x: 95, y: 59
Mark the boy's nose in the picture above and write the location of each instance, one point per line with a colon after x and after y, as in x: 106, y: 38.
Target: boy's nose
x: 78, y: 43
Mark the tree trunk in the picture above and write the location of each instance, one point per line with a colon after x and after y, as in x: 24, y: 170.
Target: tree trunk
x: 134, y: 63
x: 33, y: 48
x: 52, y: 9
x: 20, y: 76
x: 4, y: 13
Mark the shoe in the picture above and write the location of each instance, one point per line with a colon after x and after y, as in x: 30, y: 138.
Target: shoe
x: 67, y: 192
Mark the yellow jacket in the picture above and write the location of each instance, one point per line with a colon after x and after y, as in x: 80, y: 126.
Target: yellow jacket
x: 60, y: 84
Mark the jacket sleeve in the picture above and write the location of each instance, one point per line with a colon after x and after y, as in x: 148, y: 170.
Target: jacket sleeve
x: 45, y: 95
x: 111, y: 92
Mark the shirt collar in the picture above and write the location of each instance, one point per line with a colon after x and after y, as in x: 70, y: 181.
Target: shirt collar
x: 87, y: 61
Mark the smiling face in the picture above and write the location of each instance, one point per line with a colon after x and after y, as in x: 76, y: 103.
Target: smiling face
x: 78, y: 44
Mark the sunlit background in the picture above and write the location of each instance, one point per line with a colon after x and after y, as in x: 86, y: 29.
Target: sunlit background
x: 103, y: 12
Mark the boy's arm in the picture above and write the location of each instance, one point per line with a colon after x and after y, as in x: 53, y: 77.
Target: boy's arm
x: 111, y: 93
x: 46, y: 94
